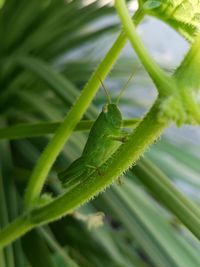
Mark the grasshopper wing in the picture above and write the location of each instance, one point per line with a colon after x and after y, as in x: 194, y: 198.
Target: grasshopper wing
x: 74, y: 171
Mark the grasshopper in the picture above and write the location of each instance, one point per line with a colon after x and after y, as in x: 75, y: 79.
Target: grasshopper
x: 104, y: 139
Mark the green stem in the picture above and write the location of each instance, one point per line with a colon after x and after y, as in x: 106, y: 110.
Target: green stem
x: 192, y: 105
x: 52, y: 150
x: 14, y: 230
x: 188, y: 74
x: 164, y: 84
x: 39, y: 129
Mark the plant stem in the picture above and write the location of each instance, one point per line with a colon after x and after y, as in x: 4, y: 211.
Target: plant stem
x: 187, y: 74
x: 52, y: 150
x: 14, y: 230
x: 165, y: 85
x: 192, y: 105
x: 28, y: 130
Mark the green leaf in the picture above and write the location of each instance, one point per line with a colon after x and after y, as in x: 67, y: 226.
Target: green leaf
x: 183, y: 16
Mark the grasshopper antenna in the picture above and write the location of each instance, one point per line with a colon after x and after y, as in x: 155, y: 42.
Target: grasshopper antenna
x: 124, y: 88
x: 105, y: 90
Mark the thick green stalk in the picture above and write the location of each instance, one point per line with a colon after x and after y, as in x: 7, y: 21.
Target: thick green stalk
x: 52, y: 150
x: 188, y: 72
x: 165, y: 85
x: 14, y: 230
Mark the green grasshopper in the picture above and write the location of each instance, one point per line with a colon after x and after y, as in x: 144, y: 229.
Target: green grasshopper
x: 104, y: 139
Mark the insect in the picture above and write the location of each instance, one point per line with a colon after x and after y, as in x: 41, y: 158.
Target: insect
x: 104, y: 139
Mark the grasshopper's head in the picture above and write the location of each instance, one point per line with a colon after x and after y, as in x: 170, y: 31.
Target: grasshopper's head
x: 113, y: 115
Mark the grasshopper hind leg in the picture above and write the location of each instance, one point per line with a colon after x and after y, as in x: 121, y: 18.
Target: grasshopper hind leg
x: 74, y: 171
x: 94, y: 168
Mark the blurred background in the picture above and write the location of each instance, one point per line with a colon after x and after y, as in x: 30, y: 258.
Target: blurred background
x: 48, y: 50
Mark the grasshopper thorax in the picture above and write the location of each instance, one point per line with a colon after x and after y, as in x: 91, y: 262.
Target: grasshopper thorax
x: 113, y: 115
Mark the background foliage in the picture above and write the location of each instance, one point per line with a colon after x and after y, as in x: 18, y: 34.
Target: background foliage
x: 48, y: 51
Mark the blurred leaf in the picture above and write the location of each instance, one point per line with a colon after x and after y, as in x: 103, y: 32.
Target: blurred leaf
x: 183, y: 16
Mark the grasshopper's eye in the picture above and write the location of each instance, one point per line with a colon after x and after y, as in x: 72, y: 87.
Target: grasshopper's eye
x: 114, y: 116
